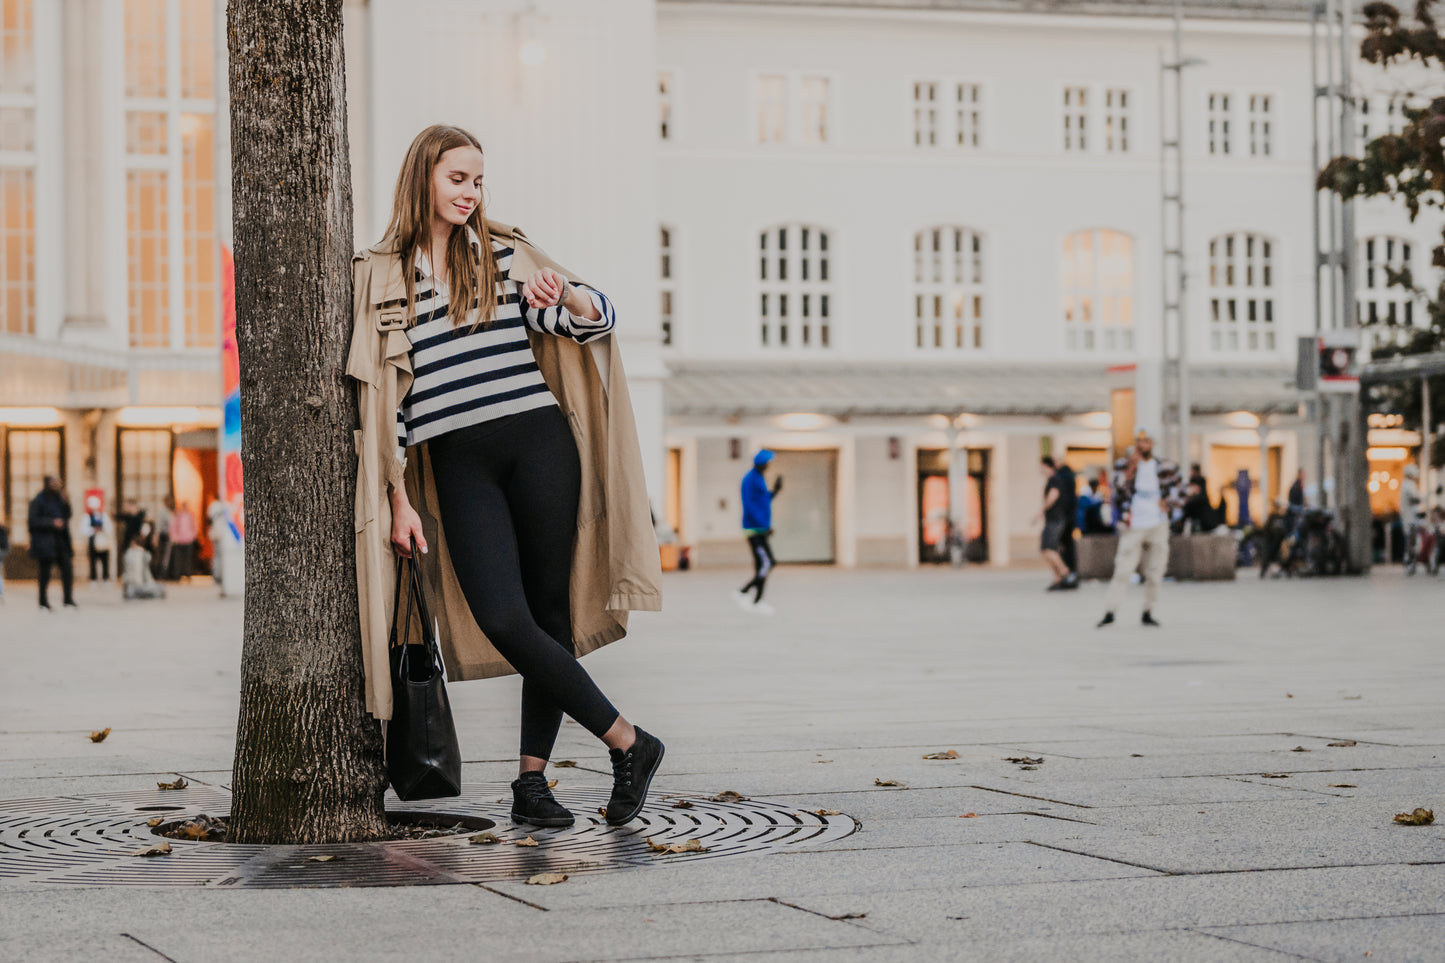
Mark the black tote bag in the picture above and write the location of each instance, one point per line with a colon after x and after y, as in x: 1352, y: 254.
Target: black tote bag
x: 423, y: 760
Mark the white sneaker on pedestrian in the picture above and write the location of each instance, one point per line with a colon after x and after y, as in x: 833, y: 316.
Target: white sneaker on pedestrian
x: 761, y: 608
x: 743, y: 599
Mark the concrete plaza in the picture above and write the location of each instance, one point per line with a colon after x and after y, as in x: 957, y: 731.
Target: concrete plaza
x: 1149, y: 832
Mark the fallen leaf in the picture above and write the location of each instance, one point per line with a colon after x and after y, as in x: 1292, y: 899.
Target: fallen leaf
x: 529, y: 841
x: 949, y: 754
x: 1274, y: 775
x: 565, y: 764
x: 1289, y: 695
x: 1343, y: 785
x: 1420, y: 817
x: 155, y: 822
x: 193, y: 830
x: 1025, y: 760
x: 1344, y: 743
x: 849, y: 916
x: 691, y: 846
x: 1136, y: 755
x: 485, y: 839
x: 682, y: 804
x: 727, y: 795
x: 551, y: 784
x: 99, y: 735
x: 1028, y: 767
x: 602, y: 810
x: 180, y: 783
x: 889, y: 782
x: 1352, y: 698
x: 159, y: 849
x: 323, y: 859
x: 1299, y: 749
x: 822, y: 761
x: 969, y: 816
x: 825, y: 813
x: 547, y: 879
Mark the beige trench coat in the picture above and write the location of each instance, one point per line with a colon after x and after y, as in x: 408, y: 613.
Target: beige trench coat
x: 615, y: 563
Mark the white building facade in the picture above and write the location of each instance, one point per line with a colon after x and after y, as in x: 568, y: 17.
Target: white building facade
x: 883, y: 238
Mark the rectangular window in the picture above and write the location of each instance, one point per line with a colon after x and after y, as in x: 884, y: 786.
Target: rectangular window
x: 925, y: 114
x: 666, y: 286
x: 30, y: 455
x: 772, y: 98
x: 664, y: 102
x: 17, y: 169
x: 814, y: 111
x: 202, y: 253
x: 1219, y: 124
x: 147, y: 258
x: 968, y: 114
x: 1259, y: 125
x: 1076, y: 118
x: 1116, y: 121
x: 143, y: 467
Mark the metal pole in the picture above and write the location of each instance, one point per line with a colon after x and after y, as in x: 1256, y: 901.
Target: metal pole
x: 1183, y: 307
x: 1319, y: 400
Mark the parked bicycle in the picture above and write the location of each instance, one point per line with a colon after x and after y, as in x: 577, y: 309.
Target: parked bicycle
x: 1422, y: 544
x: 1302, y: 541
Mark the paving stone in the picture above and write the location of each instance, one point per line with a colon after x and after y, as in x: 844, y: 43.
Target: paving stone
x: 1402, y: 938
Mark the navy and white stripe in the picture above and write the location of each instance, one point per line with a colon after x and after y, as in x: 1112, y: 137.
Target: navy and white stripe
x: 464, y: 377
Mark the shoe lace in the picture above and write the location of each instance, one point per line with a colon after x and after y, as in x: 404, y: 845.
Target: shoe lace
x: 534, y: 790
x: 622, y: 770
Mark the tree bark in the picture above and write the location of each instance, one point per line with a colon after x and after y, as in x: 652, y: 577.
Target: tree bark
x: 308, y: 757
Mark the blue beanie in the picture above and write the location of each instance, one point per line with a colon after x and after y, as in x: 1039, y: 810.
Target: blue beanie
x: 762, y: 458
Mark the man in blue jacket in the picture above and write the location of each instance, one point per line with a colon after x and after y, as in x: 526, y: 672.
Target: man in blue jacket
x: 757, y: 526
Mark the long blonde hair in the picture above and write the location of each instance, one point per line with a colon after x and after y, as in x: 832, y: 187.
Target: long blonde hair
x: 472, y: 281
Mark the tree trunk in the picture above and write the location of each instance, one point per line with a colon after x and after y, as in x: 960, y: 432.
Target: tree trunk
x: 308, y: 757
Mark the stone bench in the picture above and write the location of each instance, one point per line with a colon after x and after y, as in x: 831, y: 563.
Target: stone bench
x: 1193, y: 557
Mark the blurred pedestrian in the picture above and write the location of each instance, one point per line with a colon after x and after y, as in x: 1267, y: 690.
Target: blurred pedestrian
x: 1144, y: 499
x: 1242, y: 487
x: 758, y: 527
x: 50, y: 543
x: 1059, y: 507
x: 183, y: 534
x: 137, y: 582
x: 1297, y: 491
x: 1091, y: 509
x: 99, y: 534
x: 160, y: 543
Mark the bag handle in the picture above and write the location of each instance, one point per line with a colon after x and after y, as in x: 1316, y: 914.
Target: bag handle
x: 416, y: 595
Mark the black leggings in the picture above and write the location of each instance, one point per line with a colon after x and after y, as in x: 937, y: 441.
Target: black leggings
x: 507, y: 493
x: 763, y: 563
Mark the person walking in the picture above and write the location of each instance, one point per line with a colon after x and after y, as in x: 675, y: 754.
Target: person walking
x: 496, y: 426
x: 50, y: 543
x: 99, y: 540
x: 1143, y: 498
x: 1058, y: 515
x: 757, y: 500
x: 183, y: 542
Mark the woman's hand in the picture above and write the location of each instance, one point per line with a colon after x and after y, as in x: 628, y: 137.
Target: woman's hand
x: 544, y: 289
x: 405, y: 526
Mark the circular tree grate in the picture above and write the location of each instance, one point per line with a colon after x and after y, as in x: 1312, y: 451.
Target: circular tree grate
x: 92, y: 840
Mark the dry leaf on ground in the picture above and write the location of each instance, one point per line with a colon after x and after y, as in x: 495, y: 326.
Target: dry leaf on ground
x: 100, y: 734
x: 529, y: 841
x: 323, y: 859
x: 822, y: 761
x: 1299, y: 749
x: 1274, y: 775
x: 948, y: 754
x: 691, y: 846
x: 889, y: 782
x: 727, y: 795
x: 155, y: 822
x: 825, y: 813
x: 180, y: 783
x: 159, y: 849
x: 682, y: 804
x: 547, y: 879
x: 485, y: 839
x: 1343, y: 785
x: 969, y: 816
x: 193, y: 830
x: 1136, y: 755
x: 1420, y: 817
x: 565, y: 764
x: 849, y: 916
x: 1343, y: 743
x: 1025, y: 760
x: 551, y: 784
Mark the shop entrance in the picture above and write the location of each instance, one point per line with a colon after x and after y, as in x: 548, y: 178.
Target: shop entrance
x: 804, y: 512
x: 933, y: 504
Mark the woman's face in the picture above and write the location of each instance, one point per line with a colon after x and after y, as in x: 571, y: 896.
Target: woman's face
x: 457, y: 184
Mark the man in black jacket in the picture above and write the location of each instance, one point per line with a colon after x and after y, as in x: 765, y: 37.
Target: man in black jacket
x: 50, y: 539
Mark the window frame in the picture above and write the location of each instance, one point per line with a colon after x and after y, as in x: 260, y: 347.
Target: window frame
x: 1381, y: 330
x: 1268, y: 295
x: 170, y: 460
x: 793, y: 109
x: 980, y: 343
x: 668, y: 98
x: 1128, y: 342
x: 1105, y: 113
x: 765, y: 322
x: 946, y: 108
x: 668, y: 340
x: 20, y: 527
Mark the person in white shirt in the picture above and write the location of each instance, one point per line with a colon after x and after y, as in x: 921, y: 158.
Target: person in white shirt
x: 1142, y: 505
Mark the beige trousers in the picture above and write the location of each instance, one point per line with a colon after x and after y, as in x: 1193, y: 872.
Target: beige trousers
x: 1153, y: 544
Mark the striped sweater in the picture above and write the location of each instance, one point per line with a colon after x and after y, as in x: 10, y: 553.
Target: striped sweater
x: 465, y: 377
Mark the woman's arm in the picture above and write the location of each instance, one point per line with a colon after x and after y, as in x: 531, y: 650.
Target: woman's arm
x: 552, y: 305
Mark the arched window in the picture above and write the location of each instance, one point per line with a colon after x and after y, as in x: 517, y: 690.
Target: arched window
x: 948, y: 288
x: 1241, y: 293
x: 17, y: 167
x: 1388, y: 308
x: 666, y: 283
x: 1097, y: 278
x: 796, y: 307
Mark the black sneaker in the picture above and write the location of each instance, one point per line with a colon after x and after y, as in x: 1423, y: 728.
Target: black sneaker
x: 533, y: 802
x: 1108, y: 619
x: 1148, y: 619
x: 632, y: 773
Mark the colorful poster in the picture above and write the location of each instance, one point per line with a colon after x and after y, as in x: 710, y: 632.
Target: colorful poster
x: 233, y: 489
